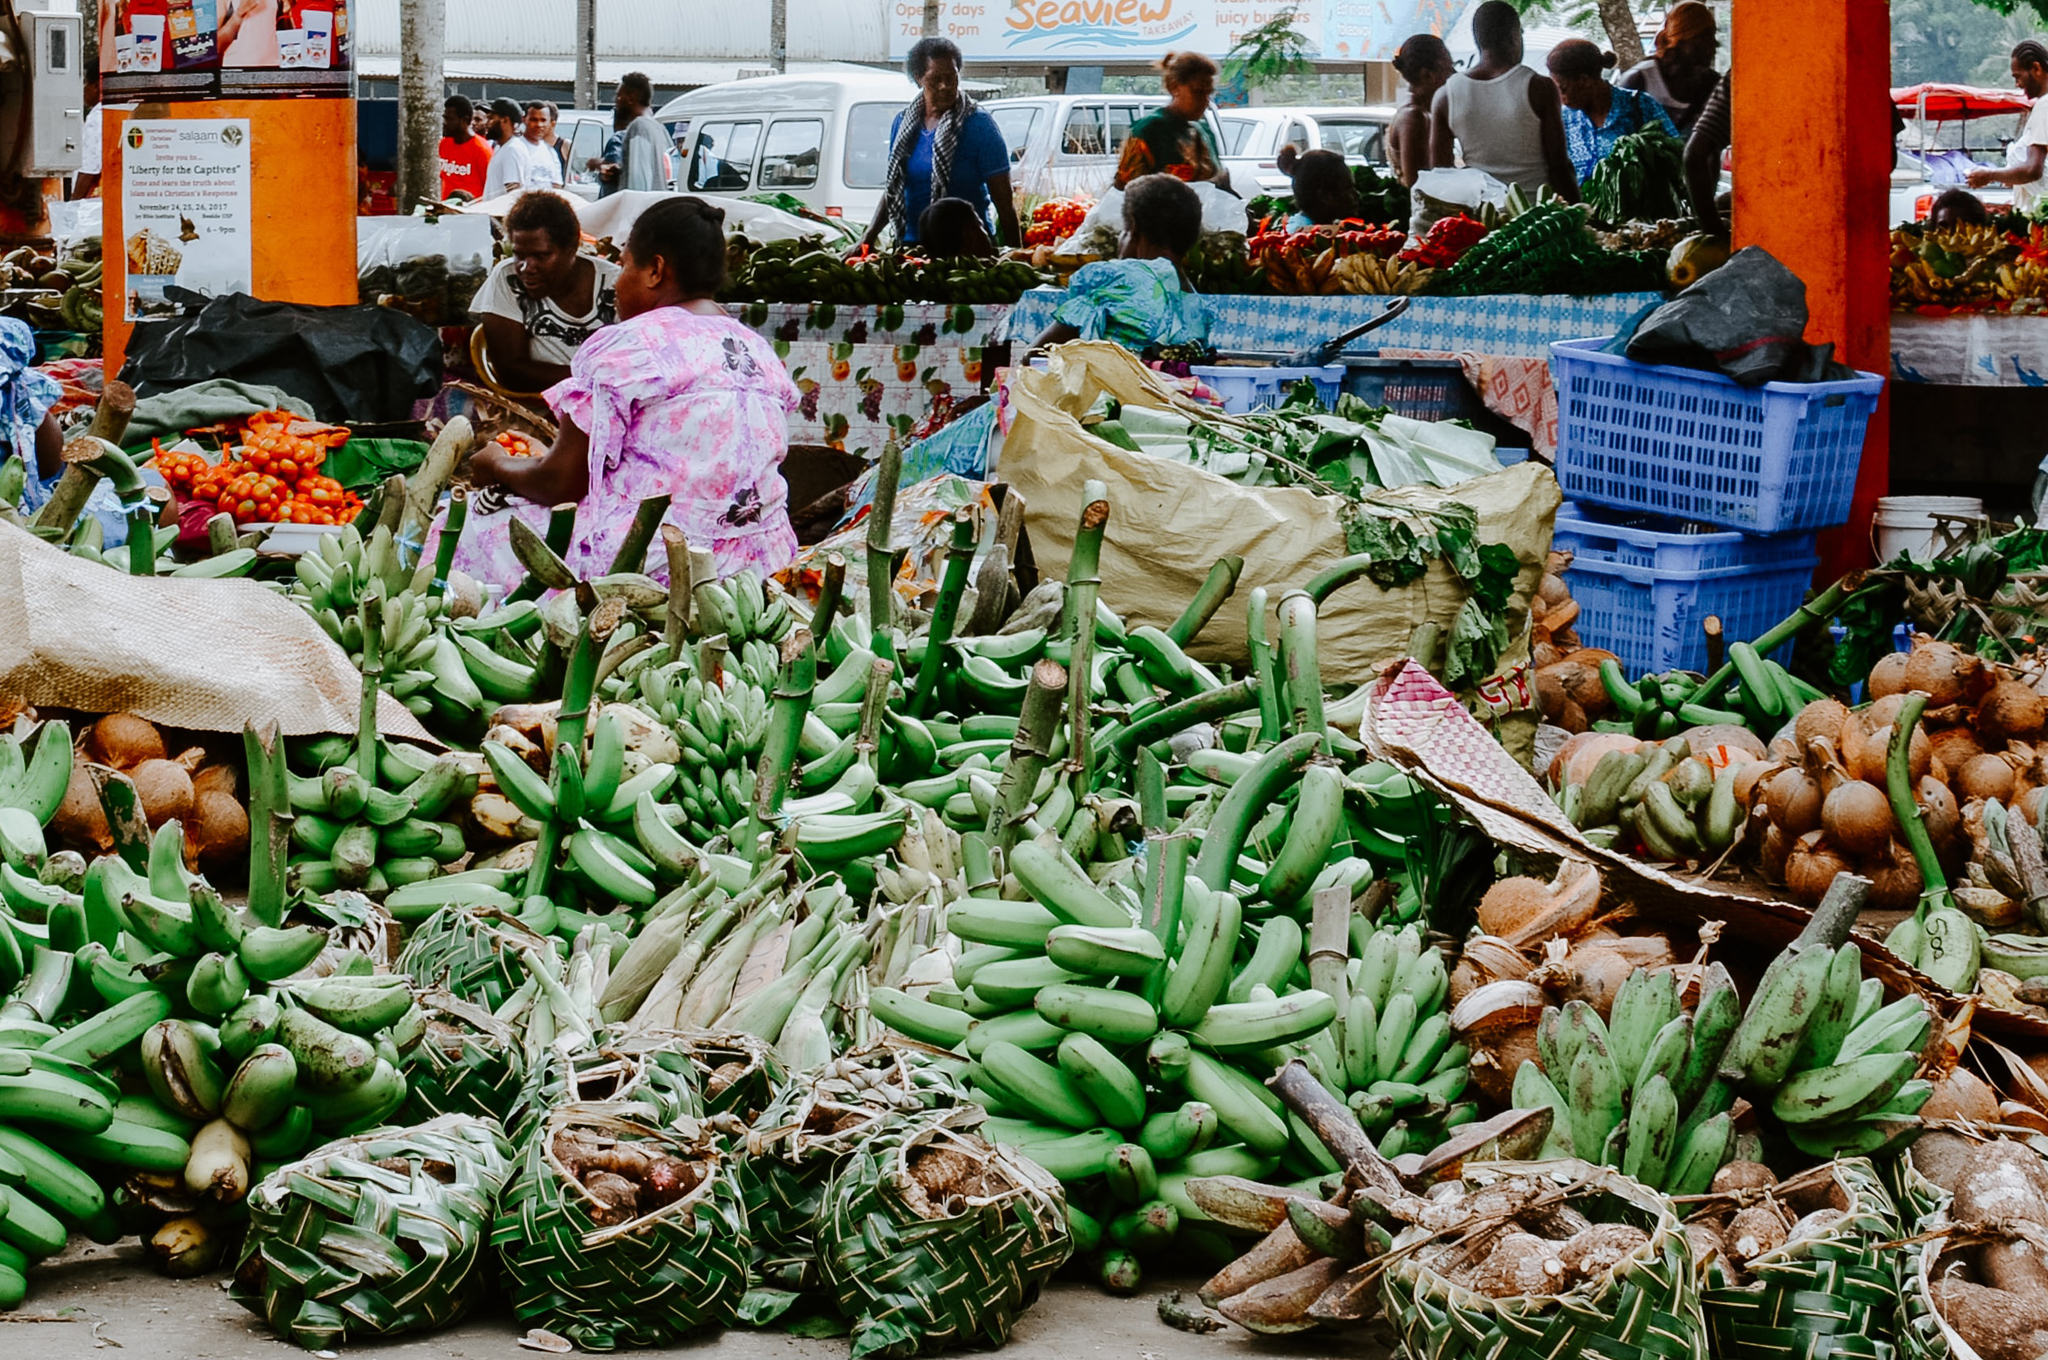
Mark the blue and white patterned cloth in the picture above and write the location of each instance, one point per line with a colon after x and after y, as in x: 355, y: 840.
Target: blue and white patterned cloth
x: 26, y: 396
x: 1519, y: 325
x: 1627, y: 111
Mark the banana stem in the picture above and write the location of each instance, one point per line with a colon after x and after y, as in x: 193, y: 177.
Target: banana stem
x: 1304, y: 676
x: 932, y: 667
x: 632, y: 554
x: 1166, y: 881
x: 451, y: 536
x: 1216, y: 588
x: 830, y: 591
x: 1084, y: 584
x: 1214, y: 706
x: 1030, y: 752
x: 1819, y: 609
x: 270, y: 822
x: 1337, y: 575
x: 371, y: 612
x: 1339, y: 1131
x: 785, y: 727
x: 881, y: 561
x: 1898, y: 787
x: 1152, y: 813
x: 593, y: 630
x: 1271, y: 726
x: 680, y: 586
x: 142, y: 541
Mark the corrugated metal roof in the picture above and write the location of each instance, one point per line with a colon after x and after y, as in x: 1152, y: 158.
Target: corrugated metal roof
x: 631, y: 34
x: 667, y: 76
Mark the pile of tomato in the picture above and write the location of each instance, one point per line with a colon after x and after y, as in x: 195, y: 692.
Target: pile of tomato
x: 1055, y: 220
x: 272, y: 477
x: 516, y: 445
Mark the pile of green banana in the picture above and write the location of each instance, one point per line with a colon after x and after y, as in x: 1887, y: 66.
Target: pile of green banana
x: 332, y: 580
x: 806, y: 270
x: 1749, y: 690
x: 1661, y: 797
x: 374, y: 815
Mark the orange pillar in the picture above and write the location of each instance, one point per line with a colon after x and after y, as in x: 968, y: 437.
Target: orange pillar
x: 302, y: 201
x: 1812, y: 167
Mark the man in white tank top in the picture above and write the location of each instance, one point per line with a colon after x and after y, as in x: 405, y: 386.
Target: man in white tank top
x: 1500, y: 114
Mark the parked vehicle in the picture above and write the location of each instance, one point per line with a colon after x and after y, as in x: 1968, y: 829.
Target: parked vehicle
x: 1252, y: 139
x: 1067, y: 144
x: 823, y: 140
x: 585, y: 130
x: 1951, y: 130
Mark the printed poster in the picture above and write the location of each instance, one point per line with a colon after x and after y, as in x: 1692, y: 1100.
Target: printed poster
x: 184, y: 209
x: 1084, y: 31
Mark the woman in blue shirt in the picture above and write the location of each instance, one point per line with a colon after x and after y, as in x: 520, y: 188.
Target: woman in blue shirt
x: 944, y: 140
x: 1597, y: 114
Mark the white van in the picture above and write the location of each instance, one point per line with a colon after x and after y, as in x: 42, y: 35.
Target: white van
x: 1067, y: 144
x: 823, y: 139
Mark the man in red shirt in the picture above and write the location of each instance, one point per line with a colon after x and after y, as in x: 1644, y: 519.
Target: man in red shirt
x: 465, y: 157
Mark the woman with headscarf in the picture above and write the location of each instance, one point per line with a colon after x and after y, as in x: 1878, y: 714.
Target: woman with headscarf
x: 1177, y: 140
x: 1424, y: 64
x: 1596, y: 114
x: 944, y: 146
x: 1680, y: 73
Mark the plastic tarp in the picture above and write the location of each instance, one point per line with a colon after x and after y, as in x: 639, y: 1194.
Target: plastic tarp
x: 1169, y: 522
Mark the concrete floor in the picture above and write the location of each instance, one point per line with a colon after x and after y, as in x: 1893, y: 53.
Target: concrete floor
x: 93, y: 1300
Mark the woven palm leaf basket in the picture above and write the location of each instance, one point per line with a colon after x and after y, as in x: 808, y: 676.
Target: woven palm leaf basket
x: 618, y: 1232
x: 931, y: 1237
x: 1823, y: 1283
x: 1969, y: 1274
x: 661, y: 1094
x: 820, y: 1119
x: 478, y: 953
x: 736, y: 1074
x: 374, y: 1236
x: 468, y: 1061
x: 1544, y: 1261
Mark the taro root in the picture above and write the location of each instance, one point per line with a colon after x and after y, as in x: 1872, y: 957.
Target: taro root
x: 1962, y: 1095
x: 1519, y: 1265
x: 1754, y: 1231
x: 1943, y: 1157
x: 1743, y: 1176
x: 1593, y: 1253
x: 1997, y: 1324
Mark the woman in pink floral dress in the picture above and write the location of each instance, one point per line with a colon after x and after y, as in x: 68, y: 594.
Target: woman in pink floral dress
x: 676, y: 398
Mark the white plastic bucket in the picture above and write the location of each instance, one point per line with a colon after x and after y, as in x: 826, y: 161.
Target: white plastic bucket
x: 1907, y: 523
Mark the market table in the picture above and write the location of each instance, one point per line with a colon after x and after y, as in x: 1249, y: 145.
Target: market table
x: 1503, y: 340
x: 1970, y: 349
x: 869, y: 373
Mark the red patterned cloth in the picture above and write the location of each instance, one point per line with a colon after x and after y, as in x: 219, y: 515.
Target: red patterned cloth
x: 1516, y: 390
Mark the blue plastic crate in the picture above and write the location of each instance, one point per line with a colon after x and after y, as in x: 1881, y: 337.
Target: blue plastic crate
x: 1700, y: 446
x: 1421, y: 389
x: 1644, y: 588
x: 1245, y: 388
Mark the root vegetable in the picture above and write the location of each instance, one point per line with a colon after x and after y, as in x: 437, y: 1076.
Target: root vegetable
x: 1594, y: 1253
x: 2004, y: 1180
x: 1754, y: 1231
x: 1944, y: 1158
x: 1743, y: 1176
x: 2014, y: 1266
x: 124, y: 741
x: 1520, y: 1264
x: 1965, y: 1096
x: 165, y: 790
x: 1997, y: 1324
x: 1705, y: 1241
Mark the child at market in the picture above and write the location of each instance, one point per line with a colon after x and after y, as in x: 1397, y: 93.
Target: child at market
x: 1142, y: 300
x: 952, y: 228
x: 1324, y: 192
x: 677, y: 399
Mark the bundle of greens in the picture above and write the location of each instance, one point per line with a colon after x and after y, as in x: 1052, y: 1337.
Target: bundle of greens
x: 1641, y: 180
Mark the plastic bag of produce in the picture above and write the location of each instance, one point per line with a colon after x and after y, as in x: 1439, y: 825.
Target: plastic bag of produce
x: 374, y: 1236
x: 1221, y: 211
x: 617, y: 1232
x: 1169, y: 523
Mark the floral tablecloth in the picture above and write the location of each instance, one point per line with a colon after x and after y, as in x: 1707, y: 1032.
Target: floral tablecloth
x: 869, y: 373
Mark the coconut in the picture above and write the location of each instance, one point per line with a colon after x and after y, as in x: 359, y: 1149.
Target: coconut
x: 2011, y: 711
x: 1498, y: 1056
x: 1498, y: 1006
x: 1811, y: 867
x: 1553, y: 591
x: 1578, y: 683
x: 1986, y: 776
x: 1956, y: 747
x: 217, y: 779
x: 1750, y: 778
x: 80, y: 820
x: 1526, y: 911
x: 1823, y: 718
x: 1774, y: 850
x: 1486, y: 958
x: 1895, y: 882
x: 1888, y: 676
x: 1794, y: 798
x: 124, y: 741
x: 1941, y: 671
x: 165, y: 790
x: 1857, y: 818
x: 219, y: 829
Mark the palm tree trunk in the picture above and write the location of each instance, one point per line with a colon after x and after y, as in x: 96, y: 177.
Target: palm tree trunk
x: 1619, y: 19
x: 422, y: 42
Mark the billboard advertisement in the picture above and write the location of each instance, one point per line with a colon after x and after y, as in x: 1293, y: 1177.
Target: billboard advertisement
x: 1065, y: 32
x: 225, y: 47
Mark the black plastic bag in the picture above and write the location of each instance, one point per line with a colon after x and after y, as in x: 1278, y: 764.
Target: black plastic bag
x: 1746, y: 319
x: 354, y: 364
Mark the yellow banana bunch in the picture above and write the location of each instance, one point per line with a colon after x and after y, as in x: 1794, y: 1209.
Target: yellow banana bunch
x: 1369, y: 274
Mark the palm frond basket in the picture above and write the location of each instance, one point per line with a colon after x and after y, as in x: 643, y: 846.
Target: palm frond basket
x: 475, y: 952
x: 467, y: 1062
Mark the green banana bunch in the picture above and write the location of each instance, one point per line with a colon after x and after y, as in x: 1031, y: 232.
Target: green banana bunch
x: 1749, y: 691
x: 374, y: 833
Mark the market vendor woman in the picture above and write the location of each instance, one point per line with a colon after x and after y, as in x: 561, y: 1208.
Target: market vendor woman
x: 1177, y: 140
x: 944, y: 146
x: 1141, y: 300
x: 546, y: 299
x: 677, y: 399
